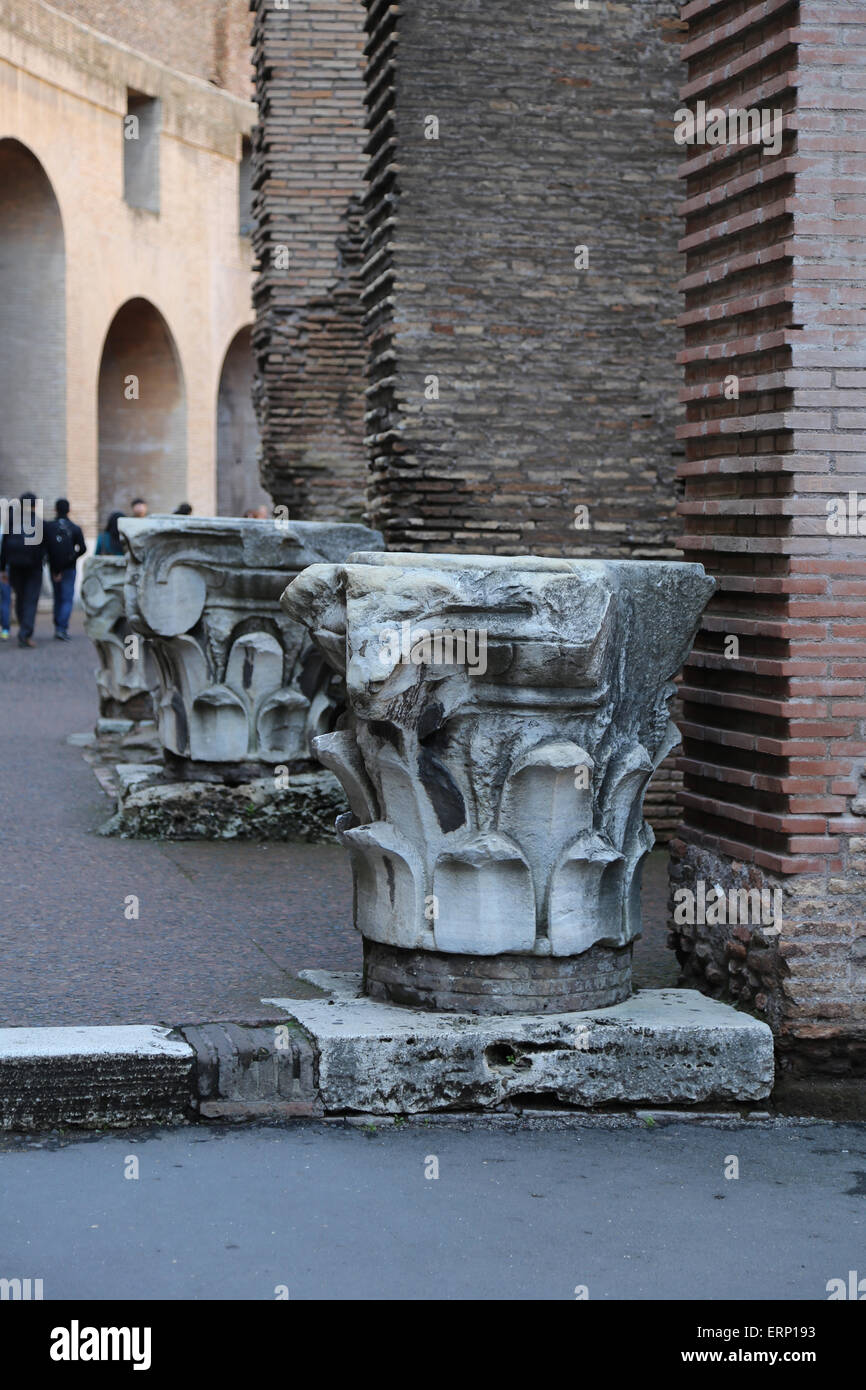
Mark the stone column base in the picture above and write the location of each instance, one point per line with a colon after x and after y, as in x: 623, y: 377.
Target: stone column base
x: 661, y: 1047
x: 501, y: 984
x: 152, y: 807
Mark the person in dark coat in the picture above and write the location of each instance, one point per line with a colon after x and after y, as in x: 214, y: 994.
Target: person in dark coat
x: 108, y: 542
x: 65, y: 544
x: 22, y: 556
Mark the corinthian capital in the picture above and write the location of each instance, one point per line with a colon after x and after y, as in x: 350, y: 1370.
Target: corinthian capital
x: 239, y: 681
x: 504, y: 718
x: 126, y: 673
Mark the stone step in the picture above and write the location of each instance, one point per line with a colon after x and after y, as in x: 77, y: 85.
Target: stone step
x: 91, y: 1076
x: 660, y: 1047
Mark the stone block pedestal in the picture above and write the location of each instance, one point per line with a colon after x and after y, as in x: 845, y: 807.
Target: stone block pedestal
x: 660, y: 1047
x: 151, y: 808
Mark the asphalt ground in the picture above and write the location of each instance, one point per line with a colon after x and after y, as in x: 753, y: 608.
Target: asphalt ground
x: 315, y: 1210
x: 221, y: 925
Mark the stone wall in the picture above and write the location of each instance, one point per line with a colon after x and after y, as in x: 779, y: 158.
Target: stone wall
x: 505, y: 387
x: 501, y: 139
x: 206, y: 38
x: 775, y: 738
x: 308, y: 150
x: 65, y: 88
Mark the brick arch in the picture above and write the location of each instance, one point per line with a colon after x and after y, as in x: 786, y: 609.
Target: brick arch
x: 142, y: 413
x: 32, y: 328
x: 238, y: 484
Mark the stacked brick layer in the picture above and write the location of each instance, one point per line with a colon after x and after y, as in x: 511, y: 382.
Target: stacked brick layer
x: 308, y: 183
x: 774, y: 723
x: 554, y: 383
x: 507, y: 388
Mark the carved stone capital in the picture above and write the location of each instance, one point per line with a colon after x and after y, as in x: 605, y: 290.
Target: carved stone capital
x: 127, y: 672
x: 505, y: 715
x: 240, y: 684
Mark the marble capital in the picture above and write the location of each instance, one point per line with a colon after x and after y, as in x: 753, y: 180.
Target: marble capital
x: 239, y: 681
x: 504, y: 717
x: 126, y: 674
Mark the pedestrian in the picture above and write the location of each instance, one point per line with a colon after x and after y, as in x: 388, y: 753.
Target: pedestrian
x: 183, y: 510
x: 22, y: 556
x: 65, y: 544
x: 108, y: 542
x: 138, y: 506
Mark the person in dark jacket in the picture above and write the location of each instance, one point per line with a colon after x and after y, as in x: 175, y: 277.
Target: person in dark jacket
x: 22, y: 555
x: 65, y: 544
x: 108, y: 542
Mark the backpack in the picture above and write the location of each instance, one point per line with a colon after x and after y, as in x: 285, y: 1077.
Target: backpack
x: 62, y: 552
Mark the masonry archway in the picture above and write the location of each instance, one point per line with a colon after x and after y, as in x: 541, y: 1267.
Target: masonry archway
x: 142, y: 413
x: 32, y: 329
x: 238, y: 483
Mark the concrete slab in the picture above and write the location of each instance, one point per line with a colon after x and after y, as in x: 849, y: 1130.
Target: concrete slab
x: 134, y: 1074
x: 661, y: 1047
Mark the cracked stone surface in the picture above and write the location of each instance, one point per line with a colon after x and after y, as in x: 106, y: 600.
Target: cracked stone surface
x: 659, y: 1047
x: 305, y: 807
x: 126, y: 675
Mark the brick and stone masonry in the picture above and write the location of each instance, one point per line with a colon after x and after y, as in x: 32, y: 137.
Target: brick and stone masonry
x: 308, y: 152
x: 507, y: 386
x: 775, y: 296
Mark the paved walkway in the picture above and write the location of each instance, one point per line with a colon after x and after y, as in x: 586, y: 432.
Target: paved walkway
x: 221, y: 925
x: 336, y: 1213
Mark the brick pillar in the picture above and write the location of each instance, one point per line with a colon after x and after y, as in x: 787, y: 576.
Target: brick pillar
x: 508, y: 386
x: 308, y: 154
x: 775, y: 297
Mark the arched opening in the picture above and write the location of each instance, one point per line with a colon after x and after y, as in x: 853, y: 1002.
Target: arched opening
x: 238, y: 484
x: 142, y: 413
x: 32, y: 330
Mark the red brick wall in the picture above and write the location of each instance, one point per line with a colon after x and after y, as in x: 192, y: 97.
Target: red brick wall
x: 775, y: 293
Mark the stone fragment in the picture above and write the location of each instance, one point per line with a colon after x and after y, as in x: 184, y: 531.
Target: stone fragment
x: 151, y: 808
x: 126, y: 674
x: 660, y: 1047
x: 132, y: 1074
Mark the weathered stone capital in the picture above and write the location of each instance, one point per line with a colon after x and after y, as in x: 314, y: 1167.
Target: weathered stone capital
x: 505, y: 715
x: 126, y: 673
x: 239, y: 680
